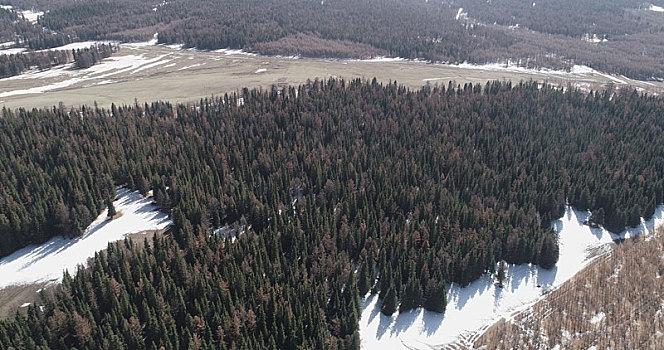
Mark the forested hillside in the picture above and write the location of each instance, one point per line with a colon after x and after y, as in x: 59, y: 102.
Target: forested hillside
x: 15, y: 30
x: 317, y: 181
x: 549, y: 33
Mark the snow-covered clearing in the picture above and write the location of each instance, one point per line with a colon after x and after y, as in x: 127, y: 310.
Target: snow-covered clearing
x: 80, y: 45
x: 111, y: 66
x: 594, y: 39
x: 48, y: 261
x: 472, y: 309
x: 68, y: 47
x: 656, y: 8
x: 12, y: 51
x: 153, y: 41
x: 31, y: 16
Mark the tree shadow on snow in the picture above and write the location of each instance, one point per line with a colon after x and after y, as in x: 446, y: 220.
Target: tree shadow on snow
x: 383, y: 324
x: 405, y: 320
x: 432, y: 321
x: 376, y: 309
x: 461, y: 295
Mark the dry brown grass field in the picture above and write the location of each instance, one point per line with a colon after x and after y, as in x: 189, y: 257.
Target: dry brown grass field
x: 146, y: 73
x: 615, y: 303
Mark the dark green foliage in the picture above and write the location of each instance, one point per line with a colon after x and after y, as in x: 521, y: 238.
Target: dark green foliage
x: 11, y: 65
x: 111, y: 208
x: 501, y: 273
x: 85, y: 58
x: 390, y: 302
x: 424, y: 187
x: 435, y: 296
x: 549, y: 35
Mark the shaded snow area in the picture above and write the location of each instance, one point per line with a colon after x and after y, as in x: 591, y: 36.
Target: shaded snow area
x: 48, y: 261
x: 474, y: 308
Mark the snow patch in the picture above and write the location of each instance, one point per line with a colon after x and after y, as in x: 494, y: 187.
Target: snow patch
x: 461, y: 15
x: 41, y: 89
x: 12, y: 51
x: 80, y: 45
x: 656, y: 8
x: 48, y: 261
x: 472, y: 309
x: 192, y: 66
x: 594, y: 38
x: 230, y: 52
x: 31, y: 16
x: 597, y: 318
x: 151, y: 65
x: 151, y: 42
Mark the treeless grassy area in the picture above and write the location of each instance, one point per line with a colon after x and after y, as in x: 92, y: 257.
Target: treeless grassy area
x: 12, y: 298
x: 617, y: 302
x: 174, y: 75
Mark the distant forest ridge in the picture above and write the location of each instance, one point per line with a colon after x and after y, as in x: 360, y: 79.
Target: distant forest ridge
x: 615, y: 36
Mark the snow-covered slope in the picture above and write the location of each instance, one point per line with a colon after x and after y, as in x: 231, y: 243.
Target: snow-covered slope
x: 47, y: 262
x: 473, y: 308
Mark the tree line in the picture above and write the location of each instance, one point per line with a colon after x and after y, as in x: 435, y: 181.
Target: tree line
x: 550, y: 33
x: 340, y: 188
x: 15, y: 64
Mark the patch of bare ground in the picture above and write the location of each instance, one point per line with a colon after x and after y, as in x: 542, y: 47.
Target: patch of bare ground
x: 308, y: 45
x: 16, y: 298
x: 617, y: 302
x: 117, y: 215
x: 139, y: 238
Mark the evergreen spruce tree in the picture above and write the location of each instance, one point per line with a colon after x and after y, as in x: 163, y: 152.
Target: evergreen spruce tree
x: 390, y: 302
x: 111, y: 209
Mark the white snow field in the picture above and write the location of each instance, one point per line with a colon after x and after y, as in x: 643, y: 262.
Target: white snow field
x: 48, y: 261
x: 472, y: 309
x: 656, y: 8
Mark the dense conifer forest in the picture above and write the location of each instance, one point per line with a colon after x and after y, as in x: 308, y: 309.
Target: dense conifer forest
x: 334, y: 189
x: 547, y: 33
x: 15, y: 30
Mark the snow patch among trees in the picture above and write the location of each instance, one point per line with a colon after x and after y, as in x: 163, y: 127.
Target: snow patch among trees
x: 656, y: 8
x: 48, y: 261
x: 472, y: 309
